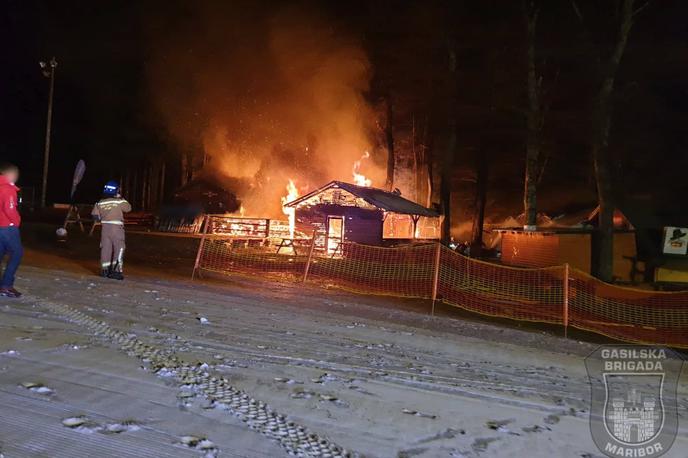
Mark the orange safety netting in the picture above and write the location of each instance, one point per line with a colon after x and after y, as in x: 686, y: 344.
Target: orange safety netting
x: 433, y: 271
x: 492, y: 289
x: 628, y: 314
x: 402, y: 272
x: 226, y: 256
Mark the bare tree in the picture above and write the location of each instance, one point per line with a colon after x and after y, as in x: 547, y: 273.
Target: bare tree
x: 534, y: 120
x: 482, y: 161
x: 482, y: 175
x: 447, y: 160
x: 389, y: 137
x: 601, y: 125
x: 425, y: 160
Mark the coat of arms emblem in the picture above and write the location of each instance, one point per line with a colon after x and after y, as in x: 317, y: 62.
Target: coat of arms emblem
x: 633, y: 406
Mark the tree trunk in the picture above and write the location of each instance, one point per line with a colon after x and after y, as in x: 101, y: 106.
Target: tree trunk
x: 445, y: 185
x: 416, y: 162
x: 153, y: 186
x: 162, y: 181
x: 429, y: 161
x: 603, y: 180
x: 187, y: 170
x: 125, y: 183
x: 534, y: 124
x: 144, y: 181
x: 450, y: 147
x: 482, y: 178
x: 602, y: 112
x: 389, y: 135
x: 183, y: 169
x: 134, y: 189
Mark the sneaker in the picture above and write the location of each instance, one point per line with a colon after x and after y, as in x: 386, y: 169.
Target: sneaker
x: 9, y: 292
x: 116, y: 276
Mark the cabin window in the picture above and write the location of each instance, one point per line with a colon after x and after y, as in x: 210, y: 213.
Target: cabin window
x: 397, y: 226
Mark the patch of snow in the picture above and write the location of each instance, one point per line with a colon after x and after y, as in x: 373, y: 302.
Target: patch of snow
x: 41, y: 390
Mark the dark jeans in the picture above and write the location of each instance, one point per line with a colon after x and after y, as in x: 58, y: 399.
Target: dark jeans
x: 10, y: 243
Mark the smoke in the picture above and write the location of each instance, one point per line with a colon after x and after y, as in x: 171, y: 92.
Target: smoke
x: 267, y: 97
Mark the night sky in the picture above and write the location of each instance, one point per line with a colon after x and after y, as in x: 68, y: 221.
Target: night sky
x: 106, y: 113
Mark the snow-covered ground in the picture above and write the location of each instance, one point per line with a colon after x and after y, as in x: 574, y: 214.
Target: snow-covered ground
x: 374, y: 375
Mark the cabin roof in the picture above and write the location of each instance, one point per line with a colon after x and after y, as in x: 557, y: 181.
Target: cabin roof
x: 583, y: 220
x: 379, y: 198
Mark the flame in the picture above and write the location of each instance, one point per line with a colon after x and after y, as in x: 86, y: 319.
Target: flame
x: 292, y: 193
x: 359, y: 178
x: 241, y: 211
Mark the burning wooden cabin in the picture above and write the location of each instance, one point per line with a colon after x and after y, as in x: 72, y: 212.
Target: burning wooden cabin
x: 343, y: 212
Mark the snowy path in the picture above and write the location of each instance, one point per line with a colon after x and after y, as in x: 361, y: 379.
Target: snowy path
x: 129, y: 412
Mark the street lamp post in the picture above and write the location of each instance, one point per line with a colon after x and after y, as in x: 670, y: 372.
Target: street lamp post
x: 48, y: 72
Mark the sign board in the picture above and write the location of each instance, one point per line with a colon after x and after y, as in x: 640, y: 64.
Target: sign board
x: 675, y: 240
x: 78, y: 176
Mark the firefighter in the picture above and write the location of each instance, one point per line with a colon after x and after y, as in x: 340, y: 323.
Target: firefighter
x: 110, y: 212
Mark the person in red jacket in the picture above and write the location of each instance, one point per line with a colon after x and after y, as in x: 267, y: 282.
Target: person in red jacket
x: 10, y: 220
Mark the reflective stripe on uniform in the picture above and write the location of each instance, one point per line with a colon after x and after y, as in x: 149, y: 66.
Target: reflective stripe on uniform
x: 110, y: 203
x: 119, y: 266
x: 119, y: 223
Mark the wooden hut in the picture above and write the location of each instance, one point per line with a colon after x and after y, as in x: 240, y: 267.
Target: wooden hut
x: 344, y: 212
x: 569, y: 240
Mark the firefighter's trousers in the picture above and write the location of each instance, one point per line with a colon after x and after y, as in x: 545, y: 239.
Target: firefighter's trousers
x: 112, y: 247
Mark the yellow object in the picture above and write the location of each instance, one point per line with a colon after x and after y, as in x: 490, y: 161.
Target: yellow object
x: 674, y: 271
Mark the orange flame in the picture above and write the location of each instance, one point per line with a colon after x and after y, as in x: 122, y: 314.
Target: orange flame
x: 359, y: 178
x: 292, y: 193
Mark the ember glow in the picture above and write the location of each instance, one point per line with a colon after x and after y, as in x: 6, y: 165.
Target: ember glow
x: 292, y: 194
x: 359, y: 178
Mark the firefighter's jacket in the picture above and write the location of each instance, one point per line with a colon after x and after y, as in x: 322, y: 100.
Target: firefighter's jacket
x: 111, y: 210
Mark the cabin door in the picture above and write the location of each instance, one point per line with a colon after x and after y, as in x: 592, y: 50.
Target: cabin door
x: 335, y: 233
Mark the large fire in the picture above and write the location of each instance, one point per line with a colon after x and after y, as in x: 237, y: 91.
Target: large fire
x: 292, y: 193
x: 359, y: 178
x: 255, y: 133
